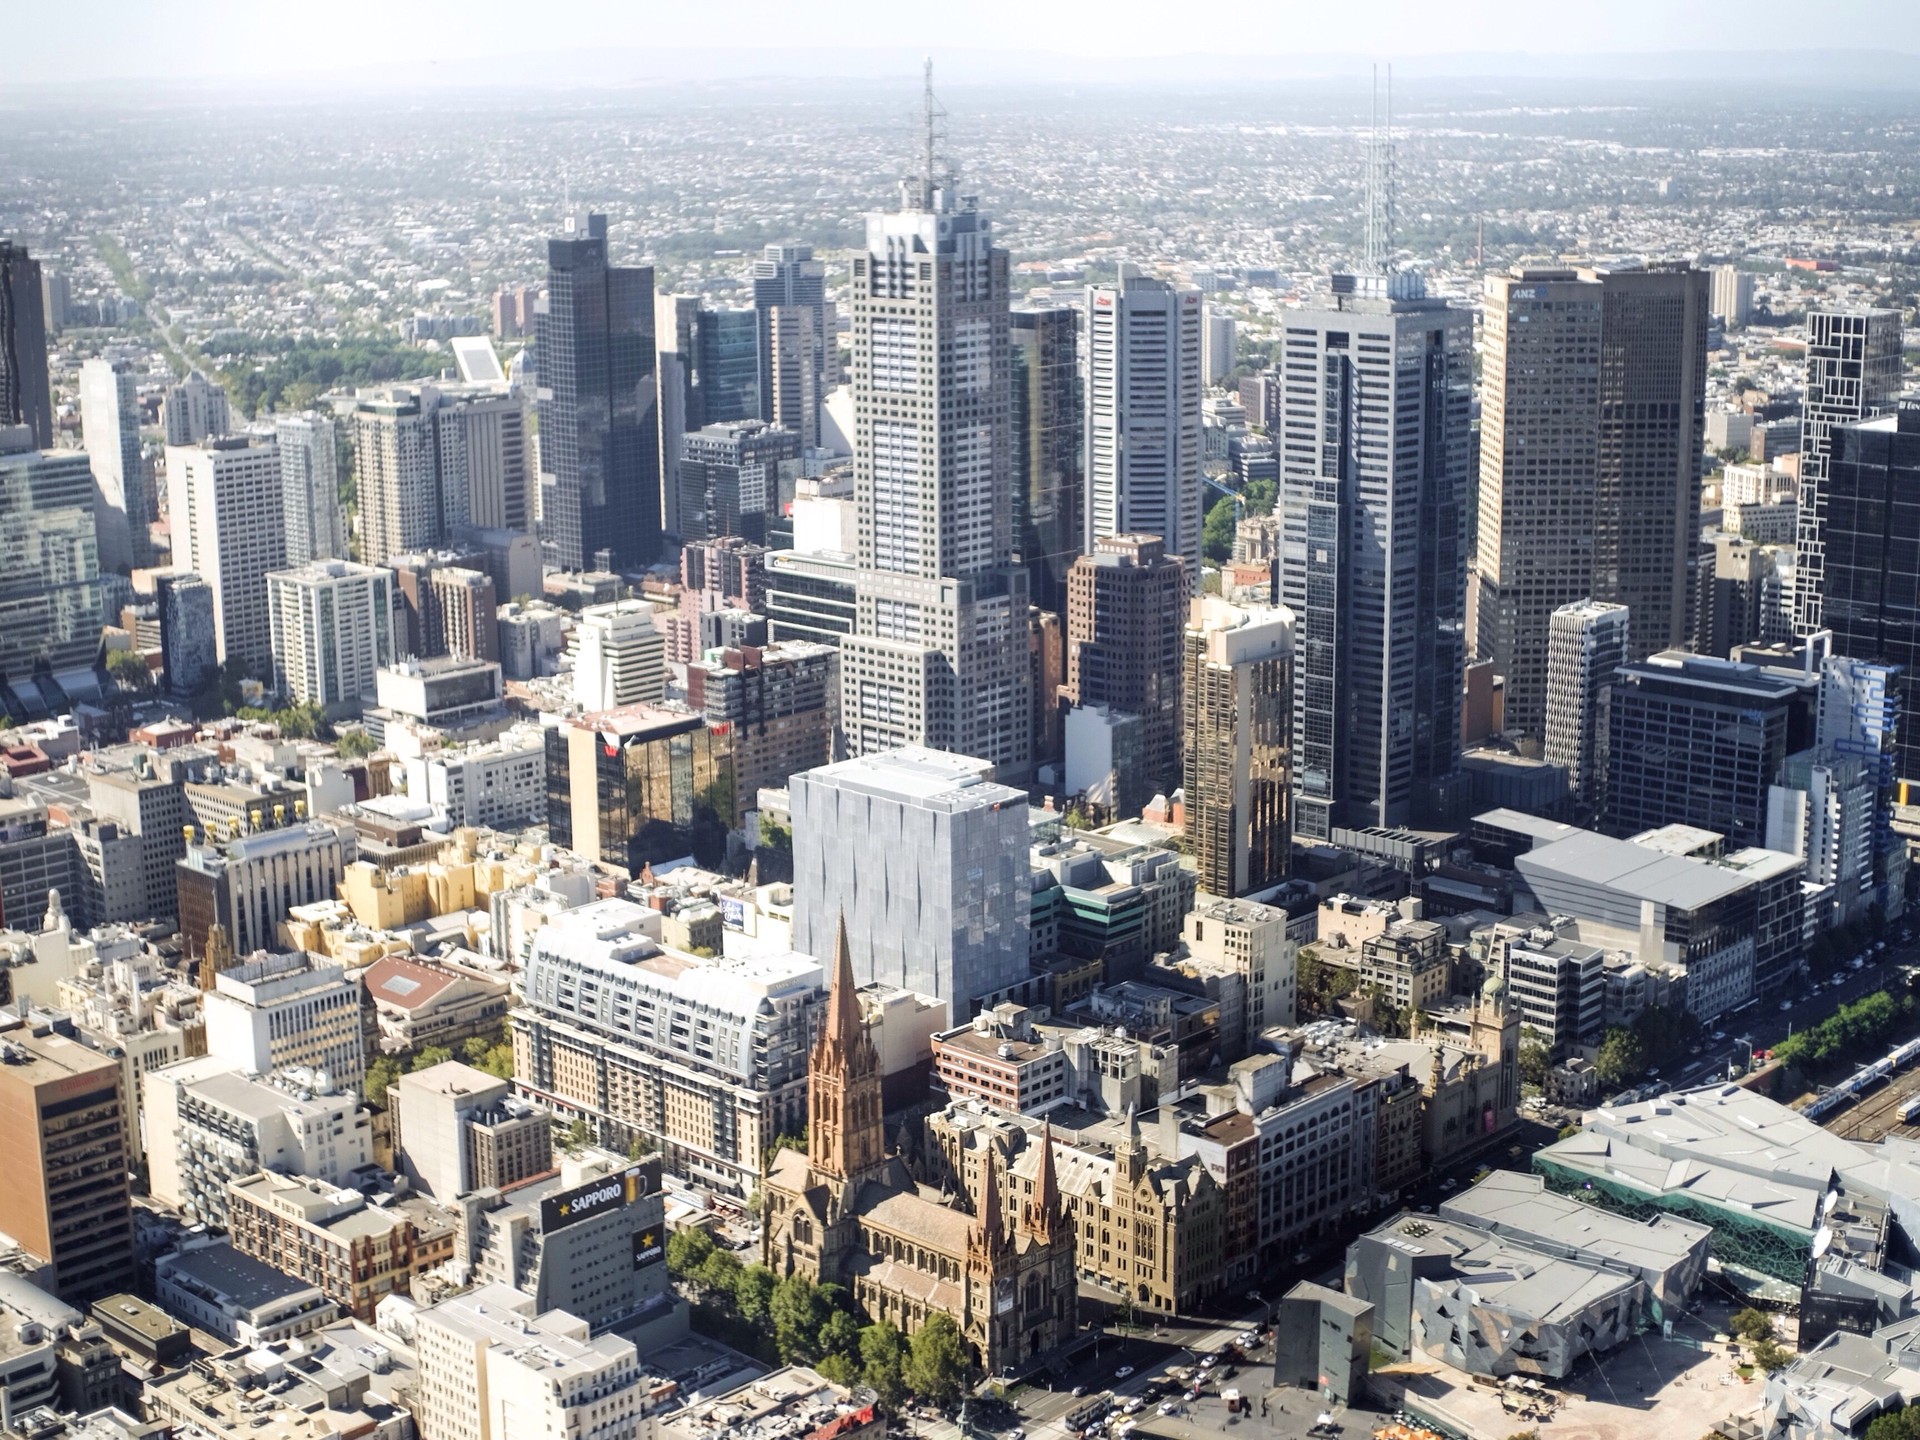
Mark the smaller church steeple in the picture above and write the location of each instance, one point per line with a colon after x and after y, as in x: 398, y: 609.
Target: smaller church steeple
x: 988, y: 1242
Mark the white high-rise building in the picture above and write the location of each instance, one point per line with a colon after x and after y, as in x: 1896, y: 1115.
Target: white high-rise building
x: 310, y: 484
x: 619, y: 656
x: 1143, y: 415
x: 1217, y: 354
x: 333, y: 628
x: 939, y: 653
x: 277, y: 1011
x: 485, y: 476
x: 1732, y: 301
x: 224, y: 503
x: 194, y: 410
x: 123, y: 505
x: 1586, y: 643
x: 491, y: 1368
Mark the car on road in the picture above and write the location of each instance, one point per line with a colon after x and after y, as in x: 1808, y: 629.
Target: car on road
x: 1078, y: 1391
x: 1786, y: 1007
x: 1207, y: 1362
x: 1169, y: 1407
x: 1135, y: 1405
x: 1719, y: 1035
x: 1123, y: 1372
x: 1016, y: 1434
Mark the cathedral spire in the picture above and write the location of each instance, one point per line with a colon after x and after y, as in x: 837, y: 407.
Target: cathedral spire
x: 844, y: 1028
x: 1042, y: 1217
x: 989, y: 1228
x: 845, y: 1138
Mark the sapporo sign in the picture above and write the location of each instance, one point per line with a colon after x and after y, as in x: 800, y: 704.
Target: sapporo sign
x: 596, y: 1197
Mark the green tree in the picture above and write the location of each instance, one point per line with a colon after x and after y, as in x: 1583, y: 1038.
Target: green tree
x: 1896, y: 1425
x: 753, y: 1294
x: 883, y: 1353
x: 579, y: 1133
x: 719, y: 1273
x: 430, y: 1056
x: 936, y: 1367
x: 797, y: 1311
x: 1259, y: 496
x: 838, y: 1368
x: 1770, y: 1355
x: 380, y: 1076
x: 1751, y: 1325
x: 130, y: 669
x: 1216, y: 535
x: 1533, y: 1058
x: 355, y: 745
x: 687, y: 1250
x: 840, y: 1336
x: 1620, y: 1056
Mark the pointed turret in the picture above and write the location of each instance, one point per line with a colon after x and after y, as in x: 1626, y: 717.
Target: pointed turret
x: 1129, y: 1152
x: 989, y: 1228
x: 843, y: 1003
x: 1042, y: 1218
x: 845, y: 1138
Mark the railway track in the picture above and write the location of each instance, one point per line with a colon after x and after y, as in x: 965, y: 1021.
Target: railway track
x: 1878, y: 1113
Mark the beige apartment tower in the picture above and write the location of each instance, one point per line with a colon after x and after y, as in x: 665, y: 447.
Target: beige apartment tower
x: 1238, y: 768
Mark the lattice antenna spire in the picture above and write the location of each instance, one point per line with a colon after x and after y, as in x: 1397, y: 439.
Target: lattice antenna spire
x: 931, y: 176
x: 1380, y: 181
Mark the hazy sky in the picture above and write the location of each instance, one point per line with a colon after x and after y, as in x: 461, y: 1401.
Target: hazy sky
x: 196, y: 39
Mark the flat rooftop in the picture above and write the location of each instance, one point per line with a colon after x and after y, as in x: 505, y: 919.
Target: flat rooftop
x: 1510, y: 1203
x: 913, y: 773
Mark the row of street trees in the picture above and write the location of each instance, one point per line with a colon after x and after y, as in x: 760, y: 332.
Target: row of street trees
x: 792, y: 1321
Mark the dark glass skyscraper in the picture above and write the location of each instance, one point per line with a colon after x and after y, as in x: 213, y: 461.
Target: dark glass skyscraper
x: 24, y: 393
x: 1049, y: 473
x: 599, y: 425
x: 727, y: 365
x: 1872, y: 535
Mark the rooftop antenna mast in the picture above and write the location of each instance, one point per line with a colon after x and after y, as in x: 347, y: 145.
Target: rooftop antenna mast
x: 1380, y: 181
x: 935, y: 118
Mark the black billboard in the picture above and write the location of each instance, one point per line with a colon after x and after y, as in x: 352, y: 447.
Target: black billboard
x: 596, y: 1197
x: 649, y: 1246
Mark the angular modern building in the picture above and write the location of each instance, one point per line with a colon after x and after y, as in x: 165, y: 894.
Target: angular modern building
x: 188, y: 653
x: 640, y: 783
x: 1854, y: 368
x: 25, y: 394
x: 798, y: 343
x: 51, y: 605
x: 1143, y: 415
x: 1239, y: 674
x: 123, y: 500
x: 926, y: 860
x: 1049, y: 467
x: 1870, y: 539
x: 1593, y: 419
x: 1374, y: 440
x: 1126, y: 604
x: 1694, y: 740
x: 938, y: 656
x: 599, y: 428
x: 729, y: 477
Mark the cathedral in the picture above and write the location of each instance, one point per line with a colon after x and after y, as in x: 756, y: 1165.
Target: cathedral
x: 847, y: 1213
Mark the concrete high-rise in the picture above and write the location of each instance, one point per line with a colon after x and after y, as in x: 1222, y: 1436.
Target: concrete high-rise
x: 395, y: 474
x: 1592, y: 422
x: 310, y: 488
x: 1374, y: 440
x: 123, y: 504
x: 925, y: 859
x: 480, y: 452
x: 938, y: 655
x: 729, y: 477
x: 195, y: 409
x: 25, y: 390
x: 1732, y: 295
x: 1587, y: 642
x: 599, y: 429
x: 1143, y: 415
x: 1217, y: 353
x: 67, y: 1128
x: 51, y: 604
x: 674, y: 318
x: 1239, y: 664
x: 225, y: 504
x: 1049, y: 467
x: 1854, y: 368
x: 798, y: 346
x: 333, y: 628
x: 619, y: 656
x: 1126, y: 607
